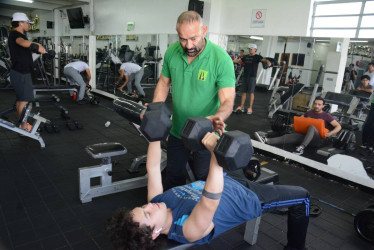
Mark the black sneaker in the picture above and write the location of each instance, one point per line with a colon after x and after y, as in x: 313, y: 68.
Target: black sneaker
x: 299, y: 150
x: 260, y: 138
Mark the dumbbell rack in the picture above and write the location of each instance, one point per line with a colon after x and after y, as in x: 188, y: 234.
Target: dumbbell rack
x: 32, y: 134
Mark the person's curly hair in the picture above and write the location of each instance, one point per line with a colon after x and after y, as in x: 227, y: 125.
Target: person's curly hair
x: 126, y: 234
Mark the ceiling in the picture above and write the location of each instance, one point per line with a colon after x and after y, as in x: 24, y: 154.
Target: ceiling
x: 47, y: 5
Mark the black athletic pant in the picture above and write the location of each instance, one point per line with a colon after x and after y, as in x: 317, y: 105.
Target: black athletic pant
x: 311, y: 137
x: 368, y: 129
x: 273, y: 197
x: 178, y: 155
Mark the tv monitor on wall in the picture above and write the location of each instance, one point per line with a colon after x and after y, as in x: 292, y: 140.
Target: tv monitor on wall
x: 75, y: 17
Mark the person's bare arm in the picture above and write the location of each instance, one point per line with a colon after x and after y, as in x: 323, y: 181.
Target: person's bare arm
x: 237, y: 60
x: 366, y: 90
x: 337, y: 128
x: 26, y: 44
x: 200, y: 222
x: 154, y: 170
x: 354, y: 75
x: 88, y: 72
x: 120, y: 77
x: 226, y: 97
x: 127, y: 78
x: 266, y: 61
x: 162, y: 89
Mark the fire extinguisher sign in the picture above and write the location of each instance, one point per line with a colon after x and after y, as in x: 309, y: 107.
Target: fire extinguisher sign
x: 258, y: 18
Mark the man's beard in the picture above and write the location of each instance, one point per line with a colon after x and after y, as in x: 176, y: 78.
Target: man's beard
x: 195, y: 50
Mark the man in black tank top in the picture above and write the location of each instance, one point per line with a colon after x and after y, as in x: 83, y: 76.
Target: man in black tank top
x: 251, y: 62
x: 22, y: 63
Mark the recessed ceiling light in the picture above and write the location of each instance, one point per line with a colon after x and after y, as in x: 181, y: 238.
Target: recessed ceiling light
x: 256, y: 37
x: 26, y: 1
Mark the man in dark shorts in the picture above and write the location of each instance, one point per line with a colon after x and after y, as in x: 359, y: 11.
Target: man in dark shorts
x: 312, y: 136
x: 22, y: 63
x: 251, y: 62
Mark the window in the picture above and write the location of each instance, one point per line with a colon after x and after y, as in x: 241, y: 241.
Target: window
x: 298, y: 59
x: 336, y: 22
x: 338, y: 9
x: 338, y: 18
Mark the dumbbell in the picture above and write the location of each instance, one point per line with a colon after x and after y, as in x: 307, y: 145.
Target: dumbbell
x: 50, y: 54
x: 64, y: 112
x: 156, y: 122
x: 35, y: 48
x: 55, y: 98
x: 233, y: 150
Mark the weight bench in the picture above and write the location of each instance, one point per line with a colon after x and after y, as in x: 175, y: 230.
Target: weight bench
x: 25, y: 114
x: 364, y: 97
x: 347, y: 105
x: 251, y: 227
x: 131, y: 111
x: 284, y: 100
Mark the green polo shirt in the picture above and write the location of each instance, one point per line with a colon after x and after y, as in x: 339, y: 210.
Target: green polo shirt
x: 195, y: 86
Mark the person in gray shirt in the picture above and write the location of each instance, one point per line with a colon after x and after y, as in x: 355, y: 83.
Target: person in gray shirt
x: 131, y: 71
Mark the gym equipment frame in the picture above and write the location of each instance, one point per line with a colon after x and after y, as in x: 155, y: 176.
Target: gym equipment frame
x: 32, y: 134
x: 105, y: 151
x: 334, y: 167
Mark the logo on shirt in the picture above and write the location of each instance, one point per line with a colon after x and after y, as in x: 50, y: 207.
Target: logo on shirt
x: 202, y: 75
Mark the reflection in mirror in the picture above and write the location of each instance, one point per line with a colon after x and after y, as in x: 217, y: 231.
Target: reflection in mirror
x: 68, y: 48
x: 112, y: 51
x: 299, y: 82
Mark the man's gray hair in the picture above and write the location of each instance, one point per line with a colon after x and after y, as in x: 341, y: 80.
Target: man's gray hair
x: 189, y: 17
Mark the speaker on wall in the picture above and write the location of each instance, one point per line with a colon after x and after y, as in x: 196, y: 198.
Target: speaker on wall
x: 49, y: 25
x: 308, y: 45
x: 197, y: 6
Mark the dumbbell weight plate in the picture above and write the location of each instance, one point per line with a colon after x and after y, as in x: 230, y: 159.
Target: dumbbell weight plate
x: 253, y: 169
x: 234, y: 150
x: 194, y: 130
x: 155, y: 125
x: 364, y: 224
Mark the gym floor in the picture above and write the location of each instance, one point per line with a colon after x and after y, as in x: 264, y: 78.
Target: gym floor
x: 39, y: 192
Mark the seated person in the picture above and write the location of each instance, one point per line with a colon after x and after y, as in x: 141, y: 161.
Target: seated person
x: 72, y: 72
x: 312, y: 136
x: 132, y: 72
x: 200, y: 211
x: 365, y: 86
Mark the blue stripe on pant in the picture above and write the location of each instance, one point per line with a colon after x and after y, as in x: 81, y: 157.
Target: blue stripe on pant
x: 282, y: 204
x: 274, y: 197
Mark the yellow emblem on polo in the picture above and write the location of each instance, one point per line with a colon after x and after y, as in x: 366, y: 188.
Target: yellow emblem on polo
x: 202, y: 75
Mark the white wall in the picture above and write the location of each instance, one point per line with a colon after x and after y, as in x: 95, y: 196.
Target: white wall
x: 300, y: 47
x: 44, y: 16
x: 150, y: 16
x: 282, y: 17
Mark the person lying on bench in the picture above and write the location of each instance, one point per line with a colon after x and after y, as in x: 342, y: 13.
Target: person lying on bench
x: 200, y: 211
x: 312, y: 135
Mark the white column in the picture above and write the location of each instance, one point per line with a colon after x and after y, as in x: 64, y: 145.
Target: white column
x: 335, y: 63
x: 268, y: 48
x: 163, y: 44
x: 92, y: 46
x: 58, y: 31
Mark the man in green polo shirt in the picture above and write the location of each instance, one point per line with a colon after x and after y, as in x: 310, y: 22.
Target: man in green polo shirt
x: 203, y: 84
